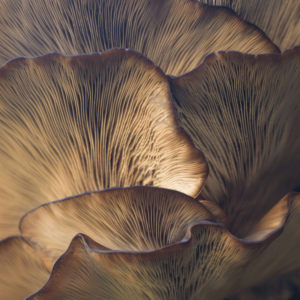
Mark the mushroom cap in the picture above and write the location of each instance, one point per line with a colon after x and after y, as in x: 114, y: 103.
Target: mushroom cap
x: 279, y: 19
x: 21, y: 270
x: 242, y: 111
x: 174, y: 34
x: 119, y: 219
x: 85, y: 123
x: 208, y: 262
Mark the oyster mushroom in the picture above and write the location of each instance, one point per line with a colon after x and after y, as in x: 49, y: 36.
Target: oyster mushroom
x: 279, y: 19
x: 21, y: 270
x: 76, y: 124
x: 123, y: 219
x: 242, y: 111
x: 159, y: 258
x: 174, y: 34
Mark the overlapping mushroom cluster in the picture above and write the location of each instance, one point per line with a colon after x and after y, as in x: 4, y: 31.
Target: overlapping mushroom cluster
x: 155, y: 154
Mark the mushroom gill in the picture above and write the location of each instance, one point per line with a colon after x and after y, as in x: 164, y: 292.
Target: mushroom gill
x: 174, y: 34
x: 21, y: 270
x: 84, y: 123
x: 242, y: 111
x: 119, y: 219
x: 208, y: 263
x: 279, y: 19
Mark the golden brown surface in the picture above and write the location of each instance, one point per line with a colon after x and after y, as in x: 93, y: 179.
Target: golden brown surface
x: 85, y: 123
x: 174, y: 34
x: 242, y: 112
x: 279, y: 19
x: 21, y: 271
x: 209, y: 263
x: 121, y: 219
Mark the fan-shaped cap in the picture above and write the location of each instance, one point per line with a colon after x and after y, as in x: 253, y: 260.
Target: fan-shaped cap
x: 279, y: 19
x: 21, y: 271
x: 85, y: 123
x: 208, y: 264
x: 242, y: 111
x: 123, y: 219
x: 174, y: 34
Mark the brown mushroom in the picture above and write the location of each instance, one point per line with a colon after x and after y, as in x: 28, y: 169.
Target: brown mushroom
x: 119, y: 219
x: 21, y: 270
x: 279, y: 19
x: 242, y: 111
x: 85, y: 123
x: 174, y: 34
x: 208, y: 262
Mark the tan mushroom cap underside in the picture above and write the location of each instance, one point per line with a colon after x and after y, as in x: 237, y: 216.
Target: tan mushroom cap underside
x: 121, y: 219
x: 21, y: 271
x: 209, y: 263
x: 279, y: 19
x: 174, y: 34
x: 242, y: 111
x: 85, y: 123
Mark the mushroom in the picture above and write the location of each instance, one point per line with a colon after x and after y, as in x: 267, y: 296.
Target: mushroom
x: 21, y: 270
x: 150, y: 243
x: 85, y: 123
x: 279, y: 19
x: 120, y: 219
x: 174, y: 34
x: 144, y: 243
x: 242, y: 111
x: 124, y: 219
